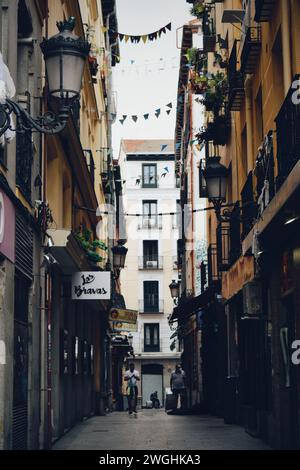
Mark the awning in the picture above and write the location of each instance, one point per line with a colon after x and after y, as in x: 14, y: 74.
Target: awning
x: 189, y: 306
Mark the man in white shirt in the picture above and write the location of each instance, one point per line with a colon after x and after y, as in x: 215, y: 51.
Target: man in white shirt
x: 178, y: 385
x: 131, y: 377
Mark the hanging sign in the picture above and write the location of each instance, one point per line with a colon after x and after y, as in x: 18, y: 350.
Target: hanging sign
x: 118, y: 326
x: 122, y: 315
x: 91, y: 285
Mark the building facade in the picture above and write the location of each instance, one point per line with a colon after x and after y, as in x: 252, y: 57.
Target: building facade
x: 150, y: 190
x: 246, y: 75
x: 56, y: 365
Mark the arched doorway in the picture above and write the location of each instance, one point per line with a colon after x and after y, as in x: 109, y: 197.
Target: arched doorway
x: 152, y: 380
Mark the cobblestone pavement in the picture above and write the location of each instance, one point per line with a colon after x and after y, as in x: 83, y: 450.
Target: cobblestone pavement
x: 156, y: 430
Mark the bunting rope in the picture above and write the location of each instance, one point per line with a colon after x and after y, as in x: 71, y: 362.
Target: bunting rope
x: 135, y: 39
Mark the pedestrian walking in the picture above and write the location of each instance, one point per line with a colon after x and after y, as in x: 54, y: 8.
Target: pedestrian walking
x: 178, y: 386
x: 132, y: 377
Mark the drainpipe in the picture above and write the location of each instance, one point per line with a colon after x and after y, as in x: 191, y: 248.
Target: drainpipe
x: 248, y: 91
x: 286, y: 45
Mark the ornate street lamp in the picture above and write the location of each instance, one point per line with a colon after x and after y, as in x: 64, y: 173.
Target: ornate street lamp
x: 174, y: 288
x: 215, y: 175
x: 119, y: 255
x: 65, y: 55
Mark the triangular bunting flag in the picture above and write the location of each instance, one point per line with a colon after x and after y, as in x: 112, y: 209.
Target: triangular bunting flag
x: 169, y: 26
x: 168, y: 111
x: 146, y: 116
x: 157, y: 112
x: 126, y: 37
x: 132, y: 61
x: 121, y: 37
x: 134, y: 118
x: 124, y: 117
x: 169, y: 105
x: 144, y: 38
x: 121, y: 121
x: 113, y: 116
x: 163, y: 147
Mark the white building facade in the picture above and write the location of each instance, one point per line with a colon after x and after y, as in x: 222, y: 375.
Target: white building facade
x: 150, y: 194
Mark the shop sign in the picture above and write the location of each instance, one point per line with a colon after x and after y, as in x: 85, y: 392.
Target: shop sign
x: 91, y: 285
x: 123, y: 315
x: 123, y: 326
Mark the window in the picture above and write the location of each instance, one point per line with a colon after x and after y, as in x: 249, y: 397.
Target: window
x: 150, y: 218
x: 150, y: 176
x: 151, y: 337
x: 150, y: 253
x: 151, y: 303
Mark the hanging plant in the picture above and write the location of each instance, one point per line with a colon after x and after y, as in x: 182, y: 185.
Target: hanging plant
x: 219, y: 61
x: 84, y: 238
x: 198, y: 10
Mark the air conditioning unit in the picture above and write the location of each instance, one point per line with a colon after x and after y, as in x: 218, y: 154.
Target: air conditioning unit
x: 151, y: 264
x: 252, y: 299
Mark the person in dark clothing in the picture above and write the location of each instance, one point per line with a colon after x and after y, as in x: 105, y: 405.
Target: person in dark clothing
x: 155, y: 400
x: 178, y: 385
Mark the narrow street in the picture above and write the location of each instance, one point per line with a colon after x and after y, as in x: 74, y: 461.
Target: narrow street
x: 156, y: 430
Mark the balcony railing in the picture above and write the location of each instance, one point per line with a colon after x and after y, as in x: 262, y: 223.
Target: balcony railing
x: 236, y: 92
x: 150, y: 262
x: 251, y: 49
x: 148, y: 223
x: 213, y: 273
x: 151, y: 347
x: 288, y: 136
x: 264, y: 10
x: 203, y: 276
x: 249, y: 208
x: 229, y: 240
x: 209, y: 30
x: 151, y: 305
x: 264, y: 172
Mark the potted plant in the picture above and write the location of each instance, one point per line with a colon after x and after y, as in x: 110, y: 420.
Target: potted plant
x: 219, y: 61
x: 198, y: 83
x: 198, y: 10
x: 84, y: 238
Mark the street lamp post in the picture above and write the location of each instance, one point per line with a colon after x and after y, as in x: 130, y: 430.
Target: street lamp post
x: 65, y: 55
x: 215, y: 175
x: 174, y: 288
x: 119, y: 255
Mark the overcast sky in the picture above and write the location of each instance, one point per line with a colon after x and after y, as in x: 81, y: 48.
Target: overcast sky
x: 146, y: 78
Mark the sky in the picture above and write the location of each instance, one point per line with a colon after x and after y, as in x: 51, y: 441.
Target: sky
x: 147, y: 77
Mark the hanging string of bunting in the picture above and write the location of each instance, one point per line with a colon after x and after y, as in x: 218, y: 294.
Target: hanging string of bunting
x: 135, y: 39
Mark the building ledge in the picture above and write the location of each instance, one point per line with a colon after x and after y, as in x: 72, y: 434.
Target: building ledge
x: 287, y: 189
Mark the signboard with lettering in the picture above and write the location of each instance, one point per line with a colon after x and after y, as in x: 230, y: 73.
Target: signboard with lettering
x: 123, y: 326
x: 118, y: 314
x: 91, y: 285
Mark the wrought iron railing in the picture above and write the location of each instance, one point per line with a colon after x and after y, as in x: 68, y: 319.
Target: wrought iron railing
x: 264, y: 172
x: 228, y: 234
x: 249, y: 208
x: 251, y: 47
x: 151, y: 304
x: 235, y: 81
x: 264, y: 10
x: 148, y: 223
x: 151, y: 262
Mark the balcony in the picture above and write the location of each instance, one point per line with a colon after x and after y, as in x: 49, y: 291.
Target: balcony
x: 148, y: 223
x: 249, y: 207
x: 229, y: 245
x: 236, y: 92
x: 251, y: 49
x: 217, y: 131
x: 150, y: 262
x: 288, y: 136
x: 264, y: 172
x: 151, y: 305
x: 148, y: 348
x: 264, y: 10
x: 209, y: 31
